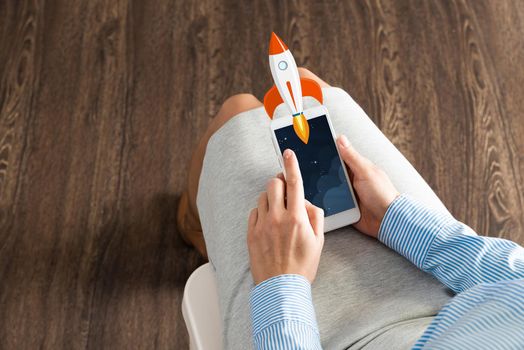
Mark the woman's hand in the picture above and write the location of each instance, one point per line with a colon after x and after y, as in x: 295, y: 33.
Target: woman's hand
x: 286, y: 232
x: 374, y: 189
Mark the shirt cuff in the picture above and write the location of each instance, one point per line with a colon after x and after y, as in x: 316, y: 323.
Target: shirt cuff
x: 282, y: 298
x: 410, y: 228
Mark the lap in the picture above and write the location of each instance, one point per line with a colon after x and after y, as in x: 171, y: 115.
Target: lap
x: 361, y: 285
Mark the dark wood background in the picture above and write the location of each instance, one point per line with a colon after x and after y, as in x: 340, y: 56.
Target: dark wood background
x: 101, y: 103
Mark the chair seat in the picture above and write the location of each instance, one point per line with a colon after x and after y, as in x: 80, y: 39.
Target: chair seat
x: 201, y: 310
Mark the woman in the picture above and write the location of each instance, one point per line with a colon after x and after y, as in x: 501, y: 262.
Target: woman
x: 366, y: 296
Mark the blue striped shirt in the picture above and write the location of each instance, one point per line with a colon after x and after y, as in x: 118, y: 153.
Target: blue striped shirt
x: 486, y: 273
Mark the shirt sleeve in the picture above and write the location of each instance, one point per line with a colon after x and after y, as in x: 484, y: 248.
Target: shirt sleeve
x: 437, y: 243
x: 283, y: 315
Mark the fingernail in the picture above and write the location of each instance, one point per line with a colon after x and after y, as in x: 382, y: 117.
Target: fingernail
x: 344, y: 141
x: 288, y: 153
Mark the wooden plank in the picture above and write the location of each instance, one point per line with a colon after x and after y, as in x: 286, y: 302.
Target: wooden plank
x: 102, y: 103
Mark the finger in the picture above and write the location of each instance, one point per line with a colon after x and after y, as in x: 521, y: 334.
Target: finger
x: 262, y: 206
x: 350, y: 174
x: 251, y: 228
x: 252, y: 221
x: 275, y: 194
x: 294, y: 188
x: 316, y: 218
x: 281, y: 176
x: 354, y: 160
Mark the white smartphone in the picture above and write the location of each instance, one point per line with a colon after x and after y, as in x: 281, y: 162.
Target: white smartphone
x: 324, y: 174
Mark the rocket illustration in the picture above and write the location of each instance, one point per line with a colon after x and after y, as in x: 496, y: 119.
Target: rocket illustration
x: 289, y: 87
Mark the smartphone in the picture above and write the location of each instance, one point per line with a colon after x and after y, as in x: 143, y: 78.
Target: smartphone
x: 324, y: 175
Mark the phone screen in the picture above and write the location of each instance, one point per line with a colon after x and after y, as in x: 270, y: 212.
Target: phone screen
x: 325, y: 183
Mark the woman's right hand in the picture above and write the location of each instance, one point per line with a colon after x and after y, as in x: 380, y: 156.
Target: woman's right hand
x: 374, y: 189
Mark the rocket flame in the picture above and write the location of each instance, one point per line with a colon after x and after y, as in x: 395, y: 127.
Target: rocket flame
x: 301, y: 127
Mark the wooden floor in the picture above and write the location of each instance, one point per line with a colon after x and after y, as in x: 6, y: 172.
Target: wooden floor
x: 101, y: 103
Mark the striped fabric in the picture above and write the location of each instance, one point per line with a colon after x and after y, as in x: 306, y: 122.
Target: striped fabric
x: 487, y: 273
x: 283, y: 314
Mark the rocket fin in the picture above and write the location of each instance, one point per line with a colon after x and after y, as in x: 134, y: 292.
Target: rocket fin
x: 272, y: 98
x: 311, y: 88
x: 271, y: 101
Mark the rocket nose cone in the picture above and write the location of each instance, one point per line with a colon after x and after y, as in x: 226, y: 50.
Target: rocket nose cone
x: 276, y: 45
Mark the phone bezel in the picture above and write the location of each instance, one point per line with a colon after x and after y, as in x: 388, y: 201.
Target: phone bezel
x: 334, y: 221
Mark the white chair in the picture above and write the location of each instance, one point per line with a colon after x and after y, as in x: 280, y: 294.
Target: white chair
x: 201, y: 310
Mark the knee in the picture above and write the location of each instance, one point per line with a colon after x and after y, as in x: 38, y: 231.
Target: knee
x: 304, y: 72
x: 239, y: 103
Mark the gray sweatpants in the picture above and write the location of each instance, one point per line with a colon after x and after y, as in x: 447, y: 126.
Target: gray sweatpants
x: 365, y: 295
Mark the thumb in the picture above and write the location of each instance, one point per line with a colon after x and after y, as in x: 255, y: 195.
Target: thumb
x: 316, y: 218
x: 354, y: 160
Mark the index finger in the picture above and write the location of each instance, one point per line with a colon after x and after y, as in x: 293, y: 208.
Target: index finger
x: 294, y: 187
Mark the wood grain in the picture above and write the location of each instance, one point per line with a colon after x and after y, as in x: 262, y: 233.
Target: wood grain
x: 102, y: 102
